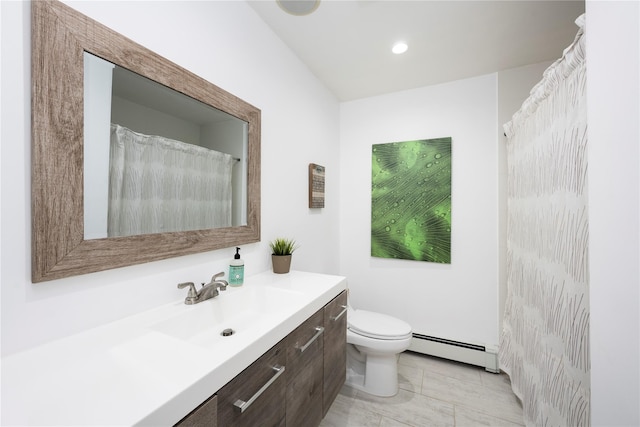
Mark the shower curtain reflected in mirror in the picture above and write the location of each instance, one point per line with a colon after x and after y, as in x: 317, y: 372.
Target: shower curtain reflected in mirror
x: 544, y: 345
x: 158, y: 185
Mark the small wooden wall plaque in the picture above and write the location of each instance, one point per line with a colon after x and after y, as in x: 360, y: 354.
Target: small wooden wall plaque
x: 316, y: 186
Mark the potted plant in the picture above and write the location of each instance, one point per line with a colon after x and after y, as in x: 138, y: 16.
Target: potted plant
x: 281, y: 250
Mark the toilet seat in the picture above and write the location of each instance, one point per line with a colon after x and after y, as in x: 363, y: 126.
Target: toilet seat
x: 374, y: 341
x: 377, y: 325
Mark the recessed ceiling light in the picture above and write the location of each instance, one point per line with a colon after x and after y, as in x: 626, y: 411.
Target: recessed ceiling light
x: 298, y: 7
x: 400, y: 47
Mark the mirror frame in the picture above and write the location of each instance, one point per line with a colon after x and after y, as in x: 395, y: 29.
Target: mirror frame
x: 60, y: 35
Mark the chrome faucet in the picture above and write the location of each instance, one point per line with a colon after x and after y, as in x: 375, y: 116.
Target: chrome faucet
x: 210, y: 290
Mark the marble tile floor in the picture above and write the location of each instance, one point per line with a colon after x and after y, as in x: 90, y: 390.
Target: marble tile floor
x: 433, y: 392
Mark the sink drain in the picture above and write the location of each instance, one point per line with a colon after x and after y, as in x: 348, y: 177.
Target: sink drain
x: 227, y: 332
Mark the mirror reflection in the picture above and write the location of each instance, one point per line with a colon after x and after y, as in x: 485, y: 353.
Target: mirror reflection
x: 156, y: 160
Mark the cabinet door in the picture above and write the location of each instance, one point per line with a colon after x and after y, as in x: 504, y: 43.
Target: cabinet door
x: 335, y: 349
x: 304, y: 379
x: 203, y: 415
x: 260, y: 389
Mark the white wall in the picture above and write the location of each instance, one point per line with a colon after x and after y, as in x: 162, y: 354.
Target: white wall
x: 227, y: 44
x: 223, y: 136
x: 456, y: 301
x: 97, y: 131
x: 142, y: 119
x: 465, y: 300
x: 613, y: 94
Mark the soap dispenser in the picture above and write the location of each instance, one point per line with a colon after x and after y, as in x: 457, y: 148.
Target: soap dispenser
x: 236, y: 270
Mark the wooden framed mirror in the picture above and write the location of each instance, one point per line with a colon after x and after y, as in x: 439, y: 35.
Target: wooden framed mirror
x: 60, y: 38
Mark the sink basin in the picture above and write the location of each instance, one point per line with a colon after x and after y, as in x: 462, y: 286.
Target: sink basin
x: 232, y: 314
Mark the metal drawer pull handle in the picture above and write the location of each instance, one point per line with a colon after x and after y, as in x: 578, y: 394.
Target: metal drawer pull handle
x: 241, y: 405
x: 335, y: 318
x: 320, y: 330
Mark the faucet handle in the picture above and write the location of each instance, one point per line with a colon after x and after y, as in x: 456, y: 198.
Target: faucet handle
x: 223, y: 283
x: 192, y: 295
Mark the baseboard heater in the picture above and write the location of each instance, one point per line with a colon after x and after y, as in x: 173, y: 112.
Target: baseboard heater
x: 471, y: 354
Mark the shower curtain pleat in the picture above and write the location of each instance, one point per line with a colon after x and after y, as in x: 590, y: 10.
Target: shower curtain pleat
x: 161, y: 185
x: 544, y: 344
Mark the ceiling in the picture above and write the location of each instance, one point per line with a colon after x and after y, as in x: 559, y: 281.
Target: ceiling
x: 347, y: 43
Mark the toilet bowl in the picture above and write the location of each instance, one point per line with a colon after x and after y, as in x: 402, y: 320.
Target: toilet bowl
x: 374, y: 341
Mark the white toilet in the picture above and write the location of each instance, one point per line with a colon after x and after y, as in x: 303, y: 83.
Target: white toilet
x: 374, y: 341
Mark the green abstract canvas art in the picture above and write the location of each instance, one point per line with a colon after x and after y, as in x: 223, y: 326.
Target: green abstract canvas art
x: 411, y: 200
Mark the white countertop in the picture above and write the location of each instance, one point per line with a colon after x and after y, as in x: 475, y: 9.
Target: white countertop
x: 155, y: 367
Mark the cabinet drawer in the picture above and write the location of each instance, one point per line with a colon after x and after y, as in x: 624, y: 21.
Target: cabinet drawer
x: 304, y: 381
x: 262, y: 387
x: 335, y: 349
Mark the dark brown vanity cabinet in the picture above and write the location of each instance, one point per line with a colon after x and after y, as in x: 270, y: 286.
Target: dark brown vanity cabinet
x: 317, y: 356
x: 204, y: 415
x: 256, y: 397
x: 292, y: 384
x: 305, y: 347
x: 335, y: 349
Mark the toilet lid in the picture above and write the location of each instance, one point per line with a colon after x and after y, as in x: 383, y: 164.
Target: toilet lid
x: 377, y: 325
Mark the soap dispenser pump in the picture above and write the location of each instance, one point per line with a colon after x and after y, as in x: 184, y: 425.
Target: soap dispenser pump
x: 236, y: 270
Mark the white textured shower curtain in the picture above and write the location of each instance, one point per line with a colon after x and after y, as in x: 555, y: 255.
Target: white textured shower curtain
x: 544, y: 345
x: 157, y: 185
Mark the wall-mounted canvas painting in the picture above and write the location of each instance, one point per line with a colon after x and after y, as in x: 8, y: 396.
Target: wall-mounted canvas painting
x: 411, y: 200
